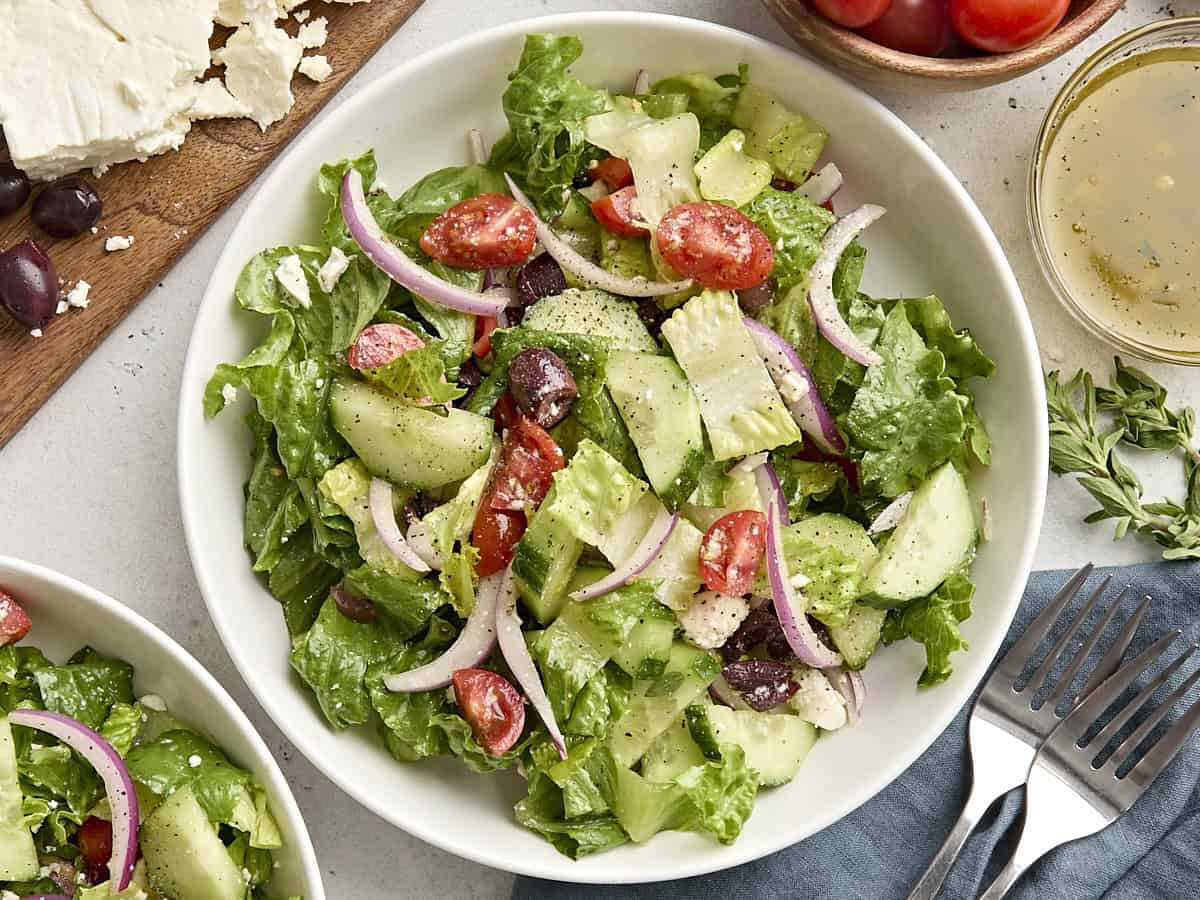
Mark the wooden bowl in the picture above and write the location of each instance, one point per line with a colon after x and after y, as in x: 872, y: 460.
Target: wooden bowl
x: 882, y: 67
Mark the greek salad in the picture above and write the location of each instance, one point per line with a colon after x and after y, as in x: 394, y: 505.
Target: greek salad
x: 590, y: 458
x: 104, y: 795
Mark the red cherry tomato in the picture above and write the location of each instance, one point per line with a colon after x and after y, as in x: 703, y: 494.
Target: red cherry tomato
x: 731, y: 551
x: 716, y: 245
x: 378, y: 345
x: 95, y: 844
x: 615, y: 213
x: 482, y: 232
x: 920, y: 27
x: 852, y: 13
x: 505, y: 412
x: 614, y: 172
x: 530, y: 459
x: 492, y: 707
x: 495, y: 536
x: 1001, y: 26
x: 14, y: 623
x: 484, y: 326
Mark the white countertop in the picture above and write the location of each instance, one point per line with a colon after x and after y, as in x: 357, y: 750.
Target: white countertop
x: 89, y: 484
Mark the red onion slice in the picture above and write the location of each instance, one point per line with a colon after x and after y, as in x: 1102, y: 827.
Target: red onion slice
x: 797, y: 387
x: 396, y: 264
x: 479, y: 151
x: 641, y: 84
x: 473, y: 645
x: 891, y: 515
x: 792, y: 618
x: 820, y: 293
x: 852, y: 688
x: 118, y: 786
x: 383, y: 515
x: 822, y: 185
x: 646, y: 552
x: 586, y: 270
x: 516, y: 654
x: 771, y: 491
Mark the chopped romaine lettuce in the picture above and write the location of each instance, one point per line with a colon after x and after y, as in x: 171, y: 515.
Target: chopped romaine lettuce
x: 728, y: 175
x: 934, y: 621
x: 593, y: 492
x: 676, y: 569
x: 348, y: 484
x: 795, y: 226
x: 790, y: 142
x: 710, y: 99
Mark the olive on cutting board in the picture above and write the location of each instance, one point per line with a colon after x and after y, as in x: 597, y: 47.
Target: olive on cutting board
x: 68, y: 207
x: 28, y: 284
x: 14, y: 188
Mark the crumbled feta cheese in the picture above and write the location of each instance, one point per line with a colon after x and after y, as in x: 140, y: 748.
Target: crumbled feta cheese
x: 259, y: 60
x: 194, y: 761
x: 53, y: 804
x: 36, y: 332
x: 153, y: 701
x: 314, y: 34
x: 319, y: 383
x: 213, y: 101
x: 302, y: 15
x: 290, y: 275
x: 77, y: 296
x: 817, y: 701
x: 118, y: 242
x: 712, y: 618
x: 246, y: 876
x: 84, y: 85
x: 316, y: 68
x: 9, y: 895
x: 62, y: 307
x: 234, y: 12
x: 229, y: 393
x: 95, y: 229
x: 332, y: 269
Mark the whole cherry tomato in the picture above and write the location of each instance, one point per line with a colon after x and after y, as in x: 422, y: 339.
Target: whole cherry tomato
x: 920, y: 27
x: 852, y: 13
x: 1001, y: 26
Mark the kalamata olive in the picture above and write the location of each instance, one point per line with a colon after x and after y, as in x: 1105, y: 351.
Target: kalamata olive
x: 352, y: 606
x: 782, y: 184
x: 538, y: 278
x: 418, y: 508
x: 542, y: 386
x: 757, y: 628
x: 756, y: 298
x: 582, y: 180
x: 763, y: 683
x: 28, y: 284
x: 652, y: 316
x: 469, y: 376
x: 14, y: 188
x: 66, y: 208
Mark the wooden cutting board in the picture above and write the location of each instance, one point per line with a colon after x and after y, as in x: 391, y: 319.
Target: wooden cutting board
x: 166, y: 203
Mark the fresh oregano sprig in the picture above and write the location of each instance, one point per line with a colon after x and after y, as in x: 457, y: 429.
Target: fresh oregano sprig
x: 1141, y: 418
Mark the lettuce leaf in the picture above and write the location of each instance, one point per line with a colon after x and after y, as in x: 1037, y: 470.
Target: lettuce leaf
x: 934, y: 621
x: 300, y: 581
x: 545, y: 107
x: 544, y: 812
x: 169, y: 762
x: 711, y: 100
x: 593, y: 491
x: 404, y: 603
x: 87, y: 687
x: 347, y: 485
x: 795, y: 226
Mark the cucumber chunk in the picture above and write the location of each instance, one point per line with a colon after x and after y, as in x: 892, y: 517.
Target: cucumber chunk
x: 594, y: 313
x: 646, y: 653
x: 663, y: 419
x: 775, y: 744
x: 185, y: 858
x: 857, y: 639
x: 932, y: 539
x: 672, y: 753
x: 544, y: 562
x: 407, y: 444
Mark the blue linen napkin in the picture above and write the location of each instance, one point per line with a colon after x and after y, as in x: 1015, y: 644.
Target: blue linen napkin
x: 879, y: 851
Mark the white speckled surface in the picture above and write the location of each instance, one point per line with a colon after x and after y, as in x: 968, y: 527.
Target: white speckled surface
x: 89, y: 485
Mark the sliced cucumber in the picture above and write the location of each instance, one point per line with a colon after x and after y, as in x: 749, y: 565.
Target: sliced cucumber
x: 576, y: 214
x: 18, y: 856
x: 857, y: 639
x: 627, y: 257
x: 593, y: 313
x: 185, y: 859
x: 646, y: 652
x: 839, y: 532
x: 656, y: 704
x: 544, y: 562
x: 672, y: 753
x: 643, y: 807
x: 931, y: 540
x: 408, y: 444
x: 663, y: 419
x: 775, y: 744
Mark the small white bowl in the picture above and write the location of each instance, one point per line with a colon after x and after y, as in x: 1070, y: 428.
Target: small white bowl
x: 67, y: 614
x: 934, y: 239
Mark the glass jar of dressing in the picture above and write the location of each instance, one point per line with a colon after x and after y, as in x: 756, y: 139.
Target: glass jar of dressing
x: 1114, y: 192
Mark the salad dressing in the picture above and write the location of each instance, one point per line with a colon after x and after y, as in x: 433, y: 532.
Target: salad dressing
x: 1120, y: 192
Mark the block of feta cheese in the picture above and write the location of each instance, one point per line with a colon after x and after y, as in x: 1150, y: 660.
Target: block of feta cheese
x: 234, y: 12
x: 89, y: 83
x: 259, y: 61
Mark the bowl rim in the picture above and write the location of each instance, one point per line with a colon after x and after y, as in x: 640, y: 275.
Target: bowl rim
x: 266, y: 767
x: 988, y: 66
x: 983, y: 650
x: 1098, y: 62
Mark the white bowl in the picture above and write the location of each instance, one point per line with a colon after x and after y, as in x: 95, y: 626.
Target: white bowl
x: 68, y: 614
x: 934, y: 239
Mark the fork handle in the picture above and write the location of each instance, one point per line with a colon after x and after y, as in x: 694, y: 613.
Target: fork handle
x: 1005, y: 880
x: 931, y: 881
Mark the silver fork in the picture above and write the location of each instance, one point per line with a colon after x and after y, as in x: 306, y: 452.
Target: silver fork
x: 1005, y: 730
x: 1069, y: 797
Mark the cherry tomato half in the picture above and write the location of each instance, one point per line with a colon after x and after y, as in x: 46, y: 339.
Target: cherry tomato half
x: 14, y: 623
x: 484, y: 326
x: 716, y: 245
x: 732, y: 550
x: 921, y: 27
x: 615, y: 213
x: 1001, y: 26
x: 495, y: 536
x: 482, y: 232
x: 492, y: 707
x: 505, y: 412
x: 378, y: 345
x: 852, y: 13
x: 614, y: 172
x: 95, y: 845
